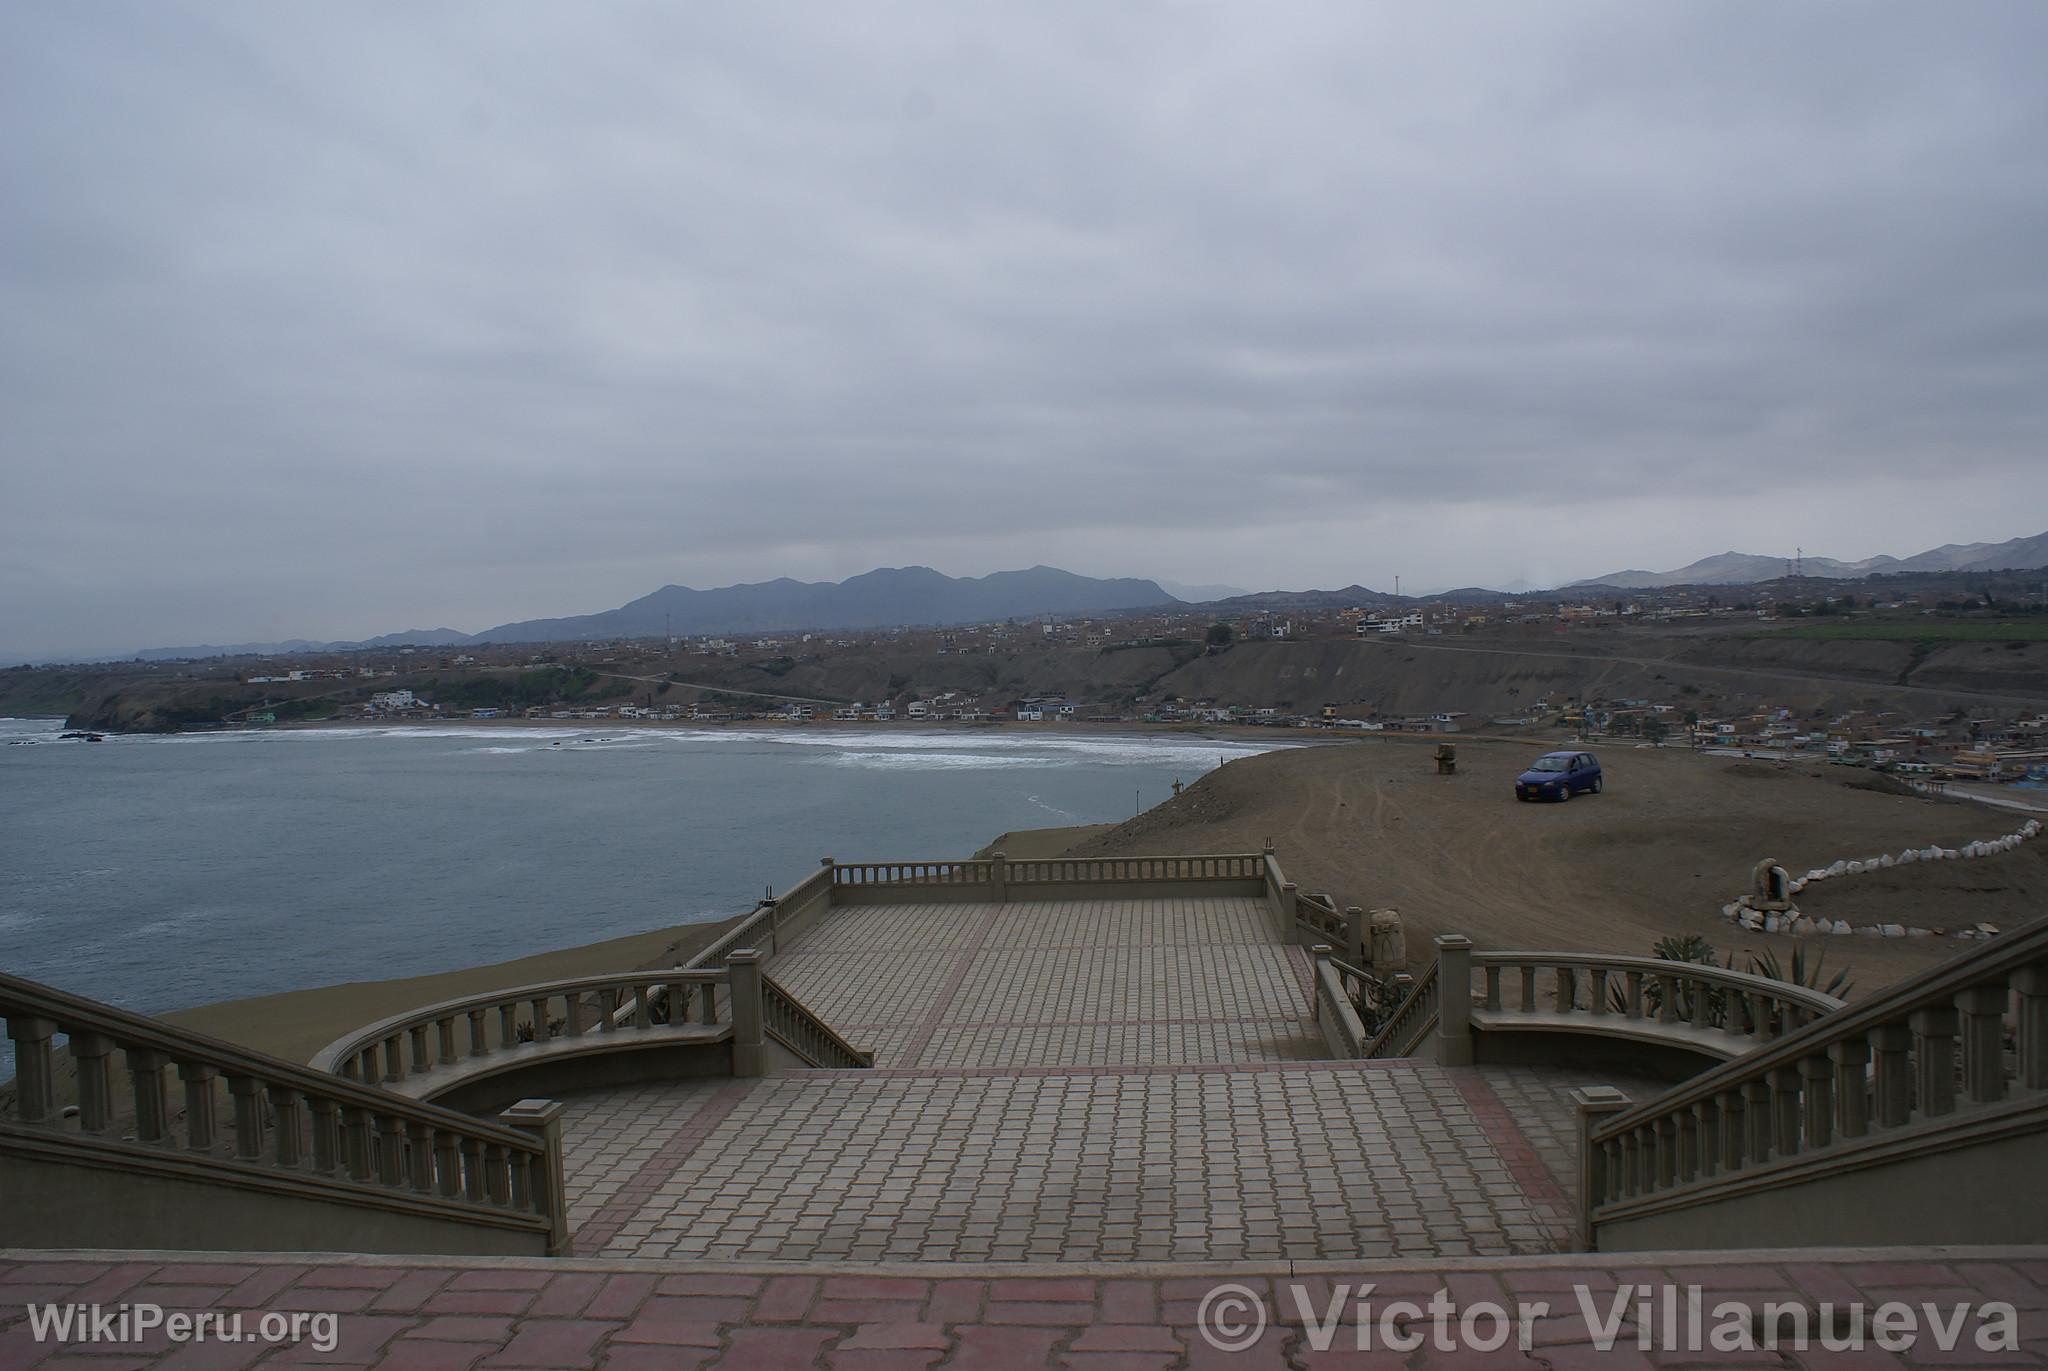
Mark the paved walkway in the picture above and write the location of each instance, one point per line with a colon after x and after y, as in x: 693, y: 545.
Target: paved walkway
x: 439, y: 1314
x: 1234, y: 1162
x: 1058, y: 983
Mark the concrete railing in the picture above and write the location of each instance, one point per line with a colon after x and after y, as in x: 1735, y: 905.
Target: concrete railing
x: 1344, y: 1032
x: 1412, y: 1021
x: 1697, y: 1008
x: 431, y: 1050
x: 300, y: 1158
x: 999, y: 878
x: 785, y: 1018
x: 1904, y: 1118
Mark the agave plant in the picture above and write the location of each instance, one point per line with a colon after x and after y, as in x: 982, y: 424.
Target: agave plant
x: 1801, y: 972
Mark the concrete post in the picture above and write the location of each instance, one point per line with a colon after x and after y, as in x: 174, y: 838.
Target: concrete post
x: 1454, y: 1000
x: 1288, y: 893
x: 743, y: 965
x: 1321, y: 954
x: 1595, y: 1103
x: 543, y: 1119
x: 1360, y: 942
x: 999, y: 874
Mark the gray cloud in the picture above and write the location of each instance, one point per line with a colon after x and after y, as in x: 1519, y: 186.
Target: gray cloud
x: 330, y: 322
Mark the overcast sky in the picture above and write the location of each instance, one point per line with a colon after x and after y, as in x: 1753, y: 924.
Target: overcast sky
x: 334, y: 320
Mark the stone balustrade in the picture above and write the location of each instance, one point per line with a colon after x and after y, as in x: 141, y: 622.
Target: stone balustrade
x: 1413, y: 1020
x: 436, y: 1042
x: 292, y: 1146
x: 1847, y: 1126
x: 1712, y: 1010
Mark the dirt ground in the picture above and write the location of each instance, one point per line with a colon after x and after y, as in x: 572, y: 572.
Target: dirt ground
x: 1671, y: 840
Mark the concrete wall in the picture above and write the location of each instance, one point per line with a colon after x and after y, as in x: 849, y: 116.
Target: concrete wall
x: 1990, y: 1193
x: 72, y: 1202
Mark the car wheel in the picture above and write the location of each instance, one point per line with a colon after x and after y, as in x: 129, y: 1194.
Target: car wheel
x: 1564, y: 792
x: 1599, y: 782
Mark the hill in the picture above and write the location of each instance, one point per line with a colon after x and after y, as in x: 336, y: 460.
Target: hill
x: 884, y: 598
x: 1744, y: 568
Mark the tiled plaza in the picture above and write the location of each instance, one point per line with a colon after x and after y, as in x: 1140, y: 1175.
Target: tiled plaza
x: 1242, y: 1162
x: 1072, y: 1082
x: 1058, y: 983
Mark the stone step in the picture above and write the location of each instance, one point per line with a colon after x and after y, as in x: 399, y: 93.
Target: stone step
x: 459, y: 1312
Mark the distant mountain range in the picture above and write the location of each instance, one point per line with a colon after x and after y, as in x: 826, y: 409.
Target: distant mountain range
x: 1742, y: 568
x: 885, y: 598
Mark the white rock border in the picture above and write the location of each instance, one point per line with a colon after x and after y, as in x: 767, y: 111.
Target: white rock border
x: 1741, y: 910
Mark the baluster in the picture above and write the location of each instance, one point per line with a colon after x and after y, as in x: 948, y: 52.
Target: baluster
x: 356, y: 1141
x: 1706, y: 1129
x: 199, y: 1098
x: 473, y: 1170
x: 390, y: 1150
x: 1632, y: 1163
x: 1687, y: 1125
x: 641, y: 1018
x: 1528, y: 987
x: 89, y: 1053
x: 1632, y: 993
x: 444, y: 1034
x: 447, y: 1162
x: 1728, y: 1108
x: 326, y: 1134
x: 2030, y: 984
x: 1852, y: 1086
x: 290, y: 1144
x: 246, y: 1093
x: 1983, y: 1030
x: 1567, y: 990
x: 366, y: 1065
x: 1784, y: 1082
x: 1756, y: 1114
x: 394, y: 1061
x: 1934, y: 1052
x: 520, y: 1169
x: 497, y: 1188
x: 1667, y: 1152
x: 479, y: 1032
x: 34, y: 1081
x: 608, y: 1008
x: 1597, y: 991
x: 1892, y: 1073
x: 420, y: 1168
x: 707, y: 991
x: 540, y: 1018
x: 152, y: 1102
x: 1817, y: 1079
x: 420, y: 1060
x: 572, y: 1012
x: 1667, y: 995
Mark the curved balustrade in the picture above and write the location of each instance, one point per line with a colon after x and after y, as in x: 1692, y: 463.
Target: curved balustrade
x: 441, y: 1043
x: 1916, y: 1070
x: 288, y: 1129
x: 1709, y: 1008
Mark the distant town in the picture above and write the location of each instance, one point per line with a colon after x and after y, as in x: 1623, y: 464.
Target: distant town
x: 1918, y: 679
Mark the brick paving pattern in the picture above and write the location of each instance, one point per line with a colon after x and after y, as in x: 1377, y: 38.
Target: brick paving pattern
x: 1233, y: 1162
x: 1057, y: 983
x: 449, y: 1315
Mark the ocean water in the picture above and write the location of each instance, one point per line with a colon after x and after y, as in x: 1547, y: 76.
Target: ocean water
x: 160, y: 872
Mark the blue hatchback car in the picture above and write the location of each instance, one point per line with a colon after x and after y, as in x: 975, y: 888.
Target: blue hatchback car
x: 1558, y: 776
